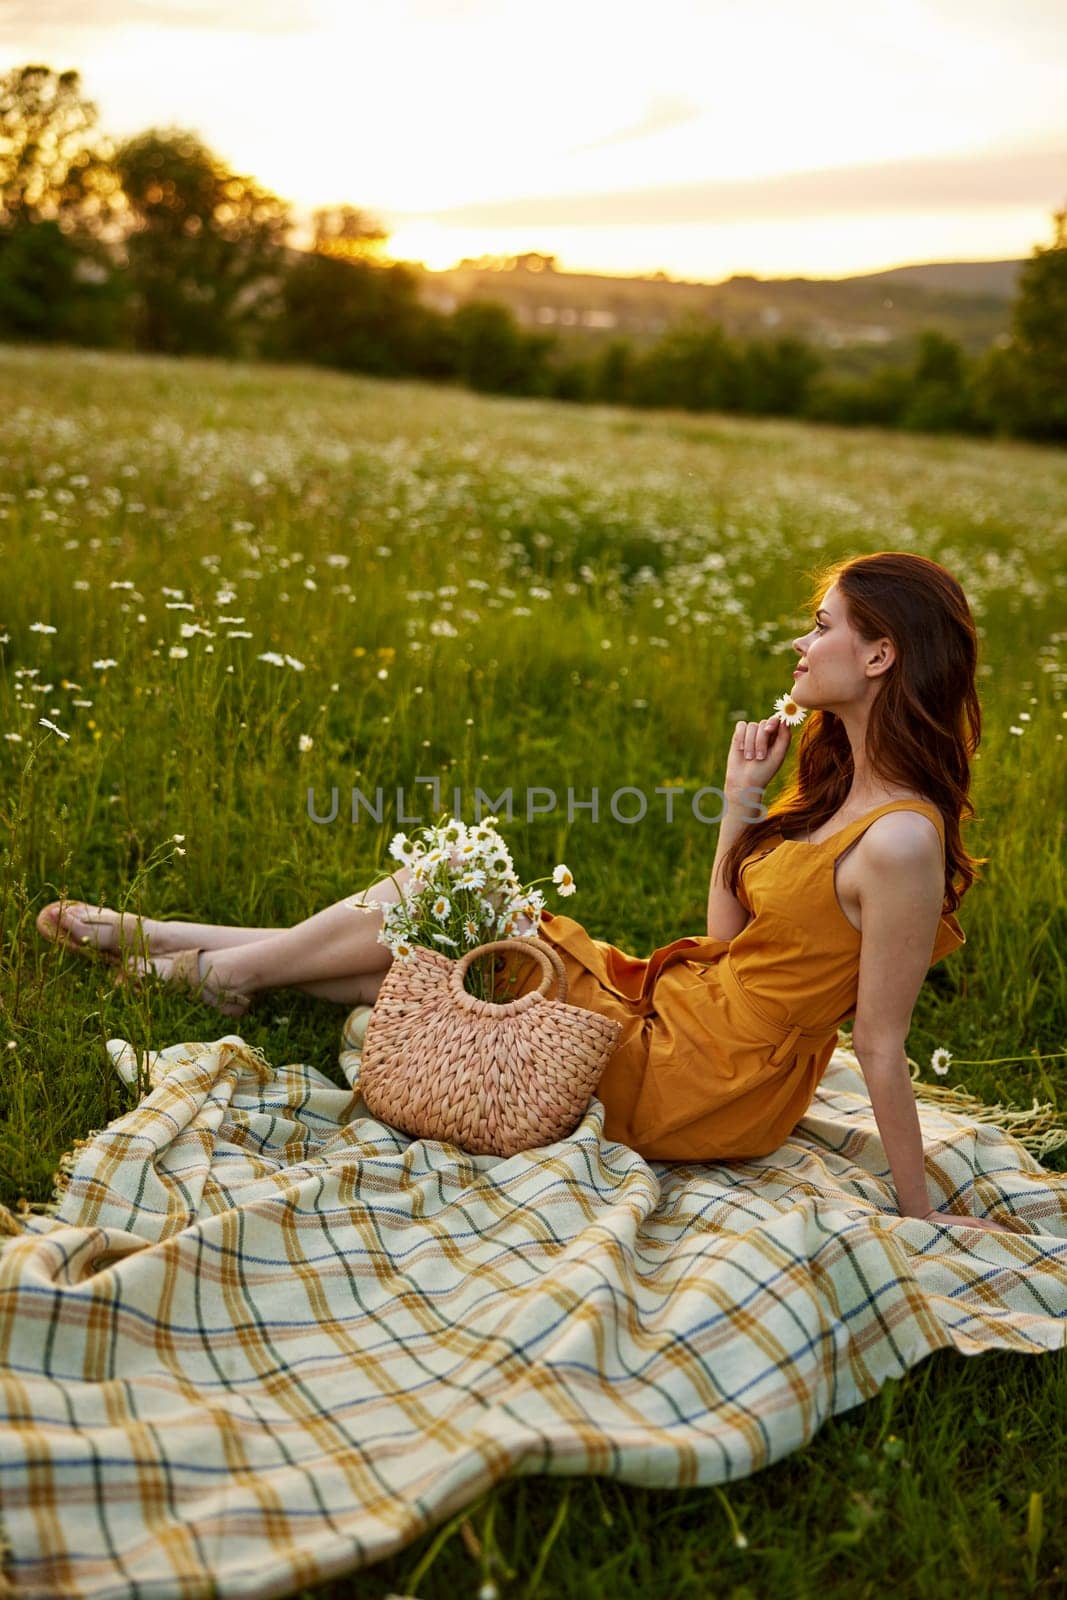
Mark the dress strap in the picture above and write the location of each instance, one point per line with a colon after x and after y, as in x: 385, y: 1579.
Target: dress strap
x: 912, y: 805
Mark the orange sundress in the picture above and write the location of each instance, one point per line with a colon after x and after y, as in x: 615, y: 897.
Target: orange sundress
x: 724, y: 1041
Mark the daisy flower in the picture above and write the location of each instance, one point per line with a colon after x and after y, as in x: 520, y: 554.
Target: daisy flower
x: 441, y: 907
x: 787, y: 710
x: 561, y: 877
x: 939, y: 1061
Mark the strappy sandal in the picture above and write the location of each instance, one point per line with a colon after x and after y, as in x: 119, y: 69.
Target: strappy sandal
x: 184, y: 976
x: 50, y: 927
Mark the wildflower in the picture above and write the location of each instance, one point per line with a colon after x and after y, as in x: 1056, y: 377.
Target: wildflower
x: 443, y: 938
x: 103, y: 664
x: 44, y: 722
x: 402, y: 950
x: 1024, y: 716
x: 441, y: 907
x: 41, y: 627
x: 237, y: 633
x: 178, y: 851
x: 177, y: 652
x: 939, y: 1062
x: 473, y: 878
x: 178, y: 838
x: 80, y: 583
x: 273, y: 657
x: 383, y: 672
x: 15, y: 738
x: 561, y: 877
x: 305, y: 742
x: 1014, y: 729
x: 297, y: 666
x: 788, y: 711
x: 470, y: 931
x: 175, y: 594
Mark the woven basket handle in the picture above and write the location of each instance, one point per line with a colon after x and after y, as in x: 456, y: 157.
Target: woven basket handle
x: 550, y: 961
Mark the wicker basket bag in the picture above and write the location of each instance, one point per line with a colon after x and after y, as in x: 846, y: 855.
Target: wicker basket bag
x: 494, y: 1079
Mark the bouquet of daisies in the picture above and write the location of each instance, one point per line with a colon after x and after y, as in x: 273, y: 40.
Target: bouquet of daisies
x: 463, y: 891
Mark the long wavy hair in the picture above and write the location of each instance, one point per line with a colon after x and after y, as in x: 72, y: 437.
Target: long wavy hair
x: 925, y: 722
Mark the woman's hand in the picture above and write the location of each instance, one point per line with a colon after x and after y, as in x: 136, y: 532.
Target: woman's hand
x: 954, y: 1220
x: 757, y: 750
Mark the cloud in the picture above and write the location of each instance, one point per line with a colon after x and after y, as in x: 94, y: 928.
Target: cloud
x: 942, y: 183
x: 664, y: 113
x: 22, y: 20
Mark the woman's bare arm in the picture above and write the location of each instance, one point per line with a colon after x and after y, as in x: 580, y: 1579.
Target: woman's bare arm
x: 726, y: 915
x: 901, y: 891
x: 757, y: 750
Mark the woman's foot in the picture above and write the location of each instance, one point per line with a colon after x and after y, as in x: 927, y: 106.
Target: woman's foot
x: 194, y: 971
x: 96, y: 930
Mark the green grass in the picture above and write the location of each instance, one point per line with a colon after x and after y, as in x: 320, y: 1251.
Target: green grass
x: 674, y: 556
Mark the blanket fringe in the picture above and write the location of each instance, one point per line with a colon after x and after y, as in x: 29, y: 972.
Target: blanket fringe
x: 1038, y: 1128
x: 253, y: 1057
x: 249, y: 1054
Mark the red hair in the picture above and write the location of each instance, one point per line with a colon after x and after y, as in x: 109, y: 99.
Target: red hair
x: 925, y: 722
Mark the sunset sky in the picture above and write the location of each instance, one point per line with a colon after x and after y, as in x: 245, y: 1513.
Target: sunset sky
x: 697, y: 137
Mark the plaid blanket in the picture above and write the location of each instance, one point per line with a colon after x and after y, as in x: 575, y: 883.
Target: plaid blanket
x: 264, y: 1340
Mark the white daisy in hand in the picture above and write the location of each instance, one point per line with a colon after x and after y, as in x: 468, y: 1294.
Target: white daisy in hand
x: 787, y: 710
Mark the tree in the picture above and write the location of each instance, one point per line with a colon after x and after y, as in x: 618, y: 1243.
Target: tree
x: 206, y: 248
x: 361, y: 317
x: 692, y: 366
x: 44, y: 294
x: 612, y: 371
x: 494, y: 355
x: 777, y: 375
x: 347, y: 233
x: 58, y: 196
x: 941, y: 396
x: 1024, y: 386
x: 50, y: 171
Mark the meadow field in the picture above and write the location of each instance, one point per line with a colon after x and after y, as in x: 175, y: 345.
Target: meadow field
x: 225, y: 586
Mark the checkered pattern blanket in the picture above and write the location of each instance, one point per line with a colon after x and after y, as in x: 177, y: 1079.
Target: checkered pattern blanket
x: 265, y: 1340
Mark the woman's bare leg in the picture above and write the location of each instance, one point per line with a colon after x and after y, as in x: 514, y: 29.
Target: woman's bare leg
x: 338, y: 947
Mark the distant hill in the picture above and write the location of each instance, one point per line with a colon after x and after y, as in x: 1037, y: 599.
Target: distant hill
x: 996, y: 278
x: 858, y: 322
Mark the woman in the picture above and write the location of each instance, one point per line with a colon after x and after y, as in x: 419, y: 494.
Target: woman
x: 832, y: 906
